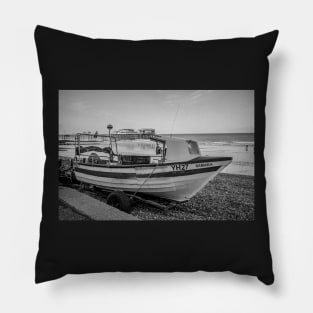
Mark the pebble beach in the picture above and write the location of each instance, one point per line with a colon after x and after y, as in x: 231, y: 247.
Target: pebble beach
x: 228, y: 197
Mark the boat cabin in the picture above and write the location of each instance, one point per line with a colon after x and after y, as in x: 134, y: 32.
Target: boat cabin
x: 159, y: 149
x: 177, y: 149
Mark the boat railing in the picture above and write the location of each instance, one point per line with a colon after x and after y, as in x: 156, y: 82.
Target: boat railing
x: 82, y: 140
x: 95, y: 159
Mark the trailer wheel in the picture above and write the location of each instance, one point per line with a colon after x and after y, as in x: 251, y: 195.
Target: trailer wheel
x: 119, y: 200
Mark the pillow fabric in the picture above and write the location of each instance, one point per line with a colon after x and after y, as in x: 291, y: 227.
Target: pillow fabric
x: 133, y: 200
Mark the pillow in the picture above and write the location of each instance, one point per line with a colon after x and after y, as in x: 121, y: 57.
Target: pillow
x: 154, y: 155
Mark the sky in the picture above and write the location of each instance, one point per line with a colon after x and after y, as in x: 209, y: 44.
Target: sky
x: 168, y: 111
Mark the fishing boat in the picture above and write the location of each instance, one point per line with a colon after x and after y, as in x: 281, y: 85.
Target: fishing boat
x: 169, y: 168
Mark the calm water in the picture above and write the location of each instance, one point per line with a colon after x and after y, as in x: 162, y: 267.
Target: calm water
x: 232, y: 138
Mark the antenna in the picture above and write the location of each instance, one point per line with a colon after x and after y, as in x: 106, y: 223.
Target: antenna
x: 178, y: 107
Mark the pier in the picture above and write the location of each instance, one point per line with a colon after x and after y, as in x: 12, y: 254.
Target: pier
x: 122, y: 134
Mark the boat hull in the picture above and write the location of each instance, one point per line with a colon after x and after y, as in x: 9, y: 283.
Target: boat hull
x: 172, y: 181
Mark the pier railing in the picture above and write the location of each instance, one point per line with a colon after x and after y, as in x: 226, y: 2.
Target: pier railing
x: 68, y: 139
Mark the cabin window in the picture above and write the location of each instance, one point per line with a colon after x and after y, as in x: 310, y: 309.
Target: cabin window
x: 193, y: 147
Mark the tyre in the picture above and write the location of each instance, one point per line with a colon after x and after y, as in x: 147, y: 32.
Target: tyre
x: 119, y: 200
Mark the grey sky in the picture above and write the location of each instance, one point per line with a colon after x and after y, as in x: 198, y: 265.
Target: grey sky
x: 200, y: 111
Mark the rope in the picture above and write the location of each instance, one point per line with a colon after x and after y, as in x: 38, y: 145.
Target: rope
x: 145, y: 181
x: 174, y: 119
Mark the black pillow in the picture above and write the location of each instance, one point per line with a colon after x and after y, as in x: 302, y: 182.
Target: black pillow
x: 154, y: 155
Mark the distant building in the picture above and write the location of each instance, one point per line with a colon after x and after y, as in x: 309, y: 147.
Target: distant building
x: 147, y: 131
x: 130, y: 134
x: 126, y: 134
x: 126, y: 131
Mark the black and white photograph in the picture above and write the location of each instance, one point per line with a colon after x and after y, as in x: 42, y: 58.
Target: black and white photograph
x: 159, y: 155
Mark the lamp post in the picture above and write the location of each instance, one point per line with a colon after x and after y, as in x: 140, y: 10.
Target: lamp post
x: 109, y: 127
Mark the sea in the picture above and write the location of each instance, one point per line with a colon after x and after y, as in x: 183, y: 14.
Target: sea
x: 227, y: 138
x: 240, y: 146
